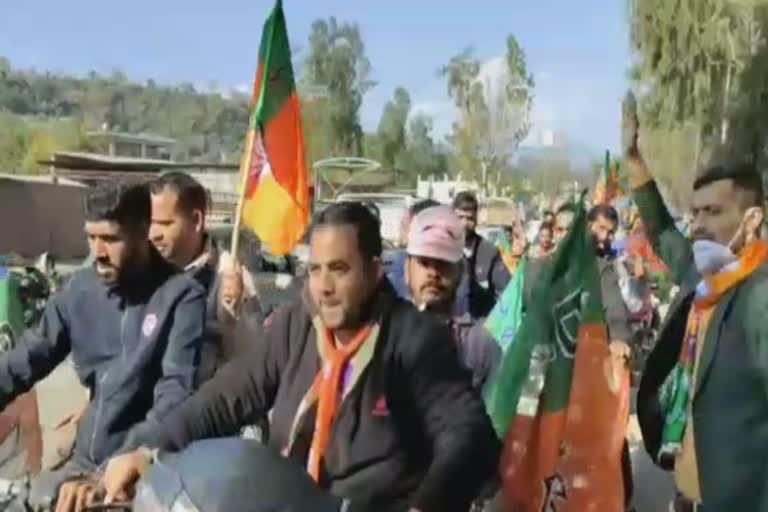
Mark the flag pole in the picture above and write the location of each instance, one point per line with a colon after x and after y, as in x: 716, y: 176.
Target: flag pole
x: 245, y: 164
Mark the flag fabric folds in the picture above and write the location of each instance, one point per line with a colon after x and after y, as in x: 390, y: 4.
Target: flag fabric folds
x: 275, y: 197
x: 608, y: 189
x: 559, y: 400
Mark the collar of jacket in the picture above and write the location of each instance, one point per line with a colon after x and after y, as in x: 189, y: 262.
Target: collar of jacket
x: 209, y: 256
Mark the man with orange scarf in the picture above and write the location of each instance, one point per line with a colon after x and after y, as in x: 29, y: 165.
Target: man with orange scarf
x: 365, y: 392
x: 703, y: 398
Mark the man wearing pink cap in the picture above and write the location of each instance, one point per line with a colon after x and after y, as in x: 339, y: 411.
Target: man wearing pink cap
x: 433, y: 271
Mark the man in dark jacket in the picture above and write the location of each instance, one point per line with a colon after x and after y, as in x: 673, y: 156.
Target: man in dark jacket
x: 712, y: 345
x: 178, y: 232
x: 132, y: 325
x: 366, y: 392
x: 433, y: 270
x: 485, y: 275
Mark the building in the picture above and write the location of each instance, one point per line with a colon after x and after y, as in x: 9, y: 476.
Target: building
x: 443, y: 190
x: 140, y: 145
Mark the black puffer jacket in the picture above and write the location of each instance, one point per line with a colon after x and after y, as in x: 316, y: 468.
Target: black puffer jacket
x: 411, y: 432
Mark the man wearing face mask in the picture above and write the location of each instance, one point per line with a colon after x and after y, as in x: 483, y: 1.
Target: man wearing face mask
x: 703, y: 398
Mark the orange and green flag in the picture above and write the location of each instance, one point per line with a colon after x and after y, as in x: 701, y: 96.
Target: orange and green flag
x: 275, y: 196
x: 559, y: 401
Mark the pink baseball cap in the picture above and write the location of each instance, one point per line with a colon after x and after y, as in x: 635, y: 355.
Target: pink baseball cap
x: 436, y: 233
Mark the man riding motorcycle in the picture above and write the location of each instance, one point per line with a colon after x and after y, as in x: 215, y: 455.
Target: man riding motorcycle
x: 133, y: 326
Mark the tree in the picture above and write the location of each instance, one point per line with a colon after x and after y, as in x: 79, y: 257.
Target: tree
x: 494, y: 102
x: 13, y: 143
x: 316, y: 126
x: 701, y: 66
x: 336, y: 61
x: 423, y: 156
x: 392, y: 128
x: 207, y: 127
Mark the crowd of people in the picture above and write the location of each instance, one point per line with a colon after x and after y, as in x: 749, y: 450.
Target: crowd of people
x: 372, y: 380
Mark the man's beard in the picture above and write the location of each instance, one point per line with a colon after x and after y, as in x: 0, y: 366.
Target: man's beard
x: 127, y: 274
x: 601, y: 248
x: 442, y: 301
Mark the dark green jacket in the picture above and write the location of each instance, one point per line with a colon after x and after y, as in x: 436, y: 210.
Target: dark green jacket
x: 730, y: 402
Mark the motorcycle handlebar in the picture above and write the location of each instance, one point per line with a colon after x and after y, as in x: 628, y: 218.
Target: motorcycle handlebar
x: 104, y: 507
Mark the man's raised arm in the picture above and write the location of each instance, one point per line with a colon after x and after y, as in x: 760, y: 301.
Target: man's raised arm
x: 668, y: 242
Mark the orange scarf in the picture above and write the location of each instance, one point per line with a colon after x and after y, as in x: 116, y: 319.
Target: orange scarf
x: 327, y: 387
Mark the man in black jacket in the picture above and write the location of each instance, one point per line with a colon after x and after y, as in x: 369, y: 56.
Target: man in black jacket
x: 485, y: 275
x: 365, y: 392
x: 132, y: 325
x: 432, y: 270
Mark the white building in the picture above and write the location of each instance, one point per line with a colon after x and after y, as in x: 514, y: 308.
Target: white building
x: 443, y: 190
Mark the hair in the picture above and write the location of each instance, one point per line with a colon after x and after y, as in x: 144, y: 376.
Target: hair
x: 422, y: 205
x: 126, y: 204
x: 566, y: 208
x: 605, y: 211
x: 744, y: 176
x: 547, y: 212
x: 192, y: 195
x: 466, y: 201
x: 361, y: 218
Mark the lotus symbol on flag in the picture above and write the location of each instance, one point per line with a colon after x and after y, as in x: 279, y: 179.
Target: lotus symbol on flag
x: 568, y: 318
x: 555, y: 491
x: 259, y: 162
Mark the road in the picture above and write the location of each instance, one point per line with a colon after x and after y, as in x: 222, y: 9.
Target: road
x: 654, y: 488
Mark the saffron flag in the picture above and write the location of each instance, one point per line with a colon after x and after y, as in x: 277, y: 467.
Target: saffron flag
x: 560, y: 401
x: 276, y: 199
x: 608, y: 188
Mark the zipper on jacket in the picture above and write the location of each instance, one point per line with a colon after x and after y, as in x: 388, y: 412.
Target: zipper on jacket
x: 100, y: 402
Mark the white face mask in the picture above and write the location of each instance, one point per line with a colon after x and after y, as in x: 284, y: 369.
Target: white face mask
x: 710, y: 257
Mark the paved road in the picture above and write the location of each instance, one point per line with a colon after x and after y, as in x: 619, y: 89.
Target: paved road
x: 654, y: 488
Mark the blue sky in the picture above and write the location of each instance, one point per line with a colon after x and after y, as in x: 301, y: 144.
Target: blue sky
x: 578, y: 51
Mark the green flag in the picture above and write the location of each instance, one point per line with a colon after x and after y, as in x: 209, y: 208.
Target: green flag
x: 11, y: 311
x: 558, y: 400
x: 505, y: 318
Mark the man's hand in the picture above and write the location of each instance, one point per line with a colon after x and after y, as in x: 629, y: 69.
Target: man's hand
x: 630, y: 126
x: 620, y: 350
x: 638, y: 268
x: 122, y: 473
x: 231, y: 288
x: 630, y: 134
x: 75, y: 495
